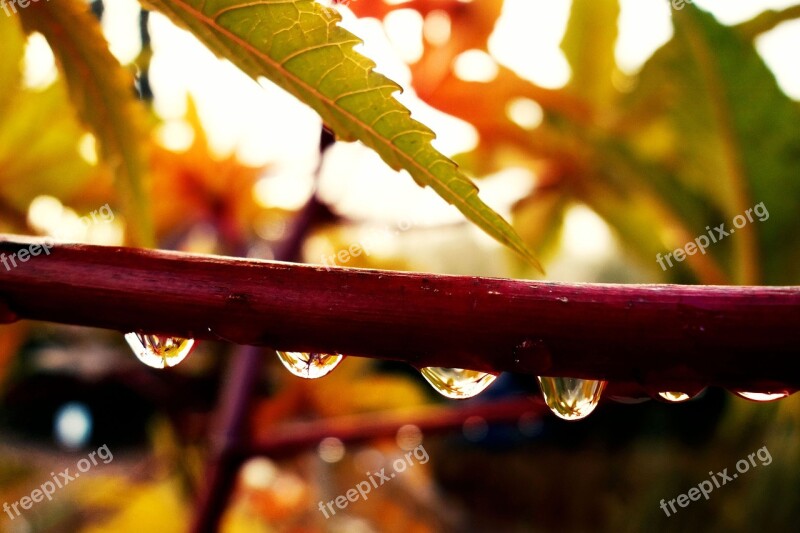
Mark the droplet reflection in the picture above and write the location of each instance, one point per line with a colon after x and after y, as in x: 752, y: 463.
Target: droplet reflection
x: 309, y: 365
x: 457, y: 383
x: 571, y: 398
x: 159, y: 351
x: 761, y: 396
x: 674, y: 397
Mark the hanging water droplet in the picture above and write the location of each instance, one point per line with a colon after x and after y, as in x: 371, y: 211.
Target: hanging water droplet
x: 761, y: 396
x: 675, y: 397
x: 571, y: 398
x: 457, y: 383
x: 159, y: 351
x: 681, y: 393
x: 309, y: 365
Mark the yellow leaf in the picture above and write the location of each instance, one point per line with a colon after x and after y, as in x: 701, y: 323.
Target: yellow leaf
x: 103, y: 94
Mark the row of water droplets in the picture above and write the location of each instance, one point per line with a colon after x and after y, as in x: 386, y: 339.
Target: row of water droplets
x: 567, y: 398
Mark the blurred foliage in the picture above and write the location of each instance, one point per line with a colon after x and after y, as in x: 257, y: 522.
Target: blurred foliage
x: 37, y: 136
x: 101, y: 91
x: 195, y: 187
x: 700, y: 134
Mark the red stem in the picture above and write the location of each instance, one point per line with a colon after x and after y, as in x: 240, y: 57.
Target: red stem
x: 288, y: 439
x: 651, y: 334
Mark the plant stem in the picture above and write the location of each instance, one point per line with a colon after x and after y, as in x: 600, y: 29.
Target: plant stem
x: 663, y: 334
x: 290, y: 438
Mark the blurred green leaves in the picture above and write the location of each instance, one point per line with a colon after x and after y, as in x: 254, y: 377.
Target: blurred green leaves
x: 699, y: 135
x: 737, y: 140
x: 705, y: 134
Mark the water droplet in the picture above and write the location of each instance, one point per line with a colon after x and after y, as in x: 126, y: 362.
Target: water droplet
x: 571, y: 398
x: 675, y: 397
x: 457, y: 383
x: 159, y: 351
x: 761, y: 396
x: 309, y: 365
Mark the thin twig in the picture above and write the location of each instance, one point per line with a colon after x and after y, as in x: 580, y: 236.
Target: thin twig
x: 290, y: 438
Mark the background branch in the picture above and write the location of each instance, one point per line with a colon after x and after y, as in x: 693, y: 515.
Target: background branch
x: 287, y: 439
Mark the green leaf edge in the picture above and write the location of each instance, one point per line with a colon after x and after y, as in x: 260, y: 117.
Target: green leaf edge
x: 452, y: 185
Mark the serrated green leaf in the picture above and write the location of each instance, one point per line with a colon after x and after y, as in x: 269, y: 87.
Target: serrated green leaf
x: 299, y: 46
x: 102, y: 91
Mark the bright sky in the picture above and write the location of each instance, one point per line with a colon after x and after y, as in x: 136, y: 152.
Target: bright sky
x: 265, y: 125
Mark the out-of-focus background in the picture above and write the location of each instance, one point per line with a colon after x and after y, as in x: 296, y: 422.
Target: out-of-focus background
x: 607, y: 132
